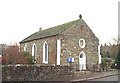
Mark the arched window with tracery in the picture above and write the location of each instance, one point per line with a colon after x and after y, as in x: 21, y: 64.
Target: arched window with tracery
x: 34, y: 52
x: 45, y: 52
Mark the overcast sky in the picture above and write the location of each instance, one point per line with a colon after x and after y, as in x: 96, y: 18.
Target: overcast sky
x: 21, y: 18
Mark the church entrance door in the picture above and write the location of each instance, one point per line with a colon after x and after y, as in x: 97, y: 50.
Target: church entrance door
x: 82, y: 61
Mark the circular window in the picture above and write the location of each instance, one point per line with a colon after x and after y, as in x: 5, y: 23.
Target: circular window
x: 82, y: 43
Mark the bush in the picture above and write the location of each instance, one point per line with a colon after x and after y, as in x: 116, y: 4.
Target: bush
x: 28, y: 57
x: 14, y: 56
x: 103, y: 64
x: 117, y: 62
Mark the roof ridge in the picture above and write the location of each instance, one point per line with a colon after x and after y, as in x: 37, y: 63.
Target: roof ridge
x: 59, y: 25
x: 72, y: 24
x: 49, y: 31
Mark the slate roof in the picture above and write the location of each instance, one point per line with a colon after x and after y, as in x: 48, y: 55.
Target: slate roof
x: 49, y: 32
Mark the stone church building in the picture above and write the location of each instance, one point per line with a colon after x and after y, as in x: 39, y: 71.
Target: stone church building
x: 72, y: 42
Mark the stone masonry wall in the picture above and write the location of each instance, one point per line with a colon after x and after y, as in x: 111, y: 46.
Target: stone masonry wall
x: 35, y: 73
x: 52, y: 44
x: 70, y: 44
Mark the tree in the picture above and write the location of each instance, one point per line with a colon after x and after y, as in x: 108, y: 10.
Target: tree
x: 117, y: 59
x: 116, y: 64
x: 108, y: 54
x: 14, y: 56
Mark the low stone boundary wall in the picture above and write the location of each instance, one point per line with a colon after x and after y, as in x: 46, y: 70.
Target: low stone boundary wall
x: 35, y: 73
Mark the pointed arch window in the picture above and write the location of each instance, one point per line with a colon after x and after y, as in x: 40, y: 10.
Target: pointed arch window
x: 34, y: 52
x: 45, y: 52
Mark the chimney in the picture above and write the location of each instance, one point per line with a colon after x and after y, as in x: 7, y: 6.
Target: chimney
x: 40, y: 29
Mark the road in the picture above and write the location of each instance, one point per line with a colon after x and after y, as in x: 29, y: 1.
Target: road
x: 109, y: 78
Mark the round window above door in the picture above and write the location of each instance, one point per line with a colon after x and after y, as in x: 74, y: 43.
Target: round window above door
x: 82, y: 43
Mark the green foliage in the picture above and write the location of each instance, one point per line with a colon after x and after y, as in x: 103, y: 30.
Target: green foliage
x: 103, y: 64
x: 28, y: 57
x: 117, y: 59
x: 106, y: 63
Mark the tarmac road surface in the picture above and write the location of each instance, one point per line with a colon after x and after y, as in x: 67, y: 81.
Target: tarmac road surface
x: 108, y: 78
